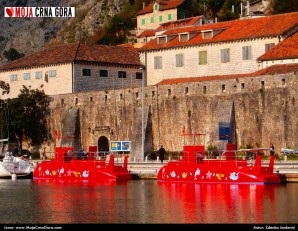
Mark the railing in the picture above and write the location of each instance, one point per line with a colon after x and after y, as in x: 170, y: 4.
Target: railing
x: 216, y: 155
x: 87, y: 156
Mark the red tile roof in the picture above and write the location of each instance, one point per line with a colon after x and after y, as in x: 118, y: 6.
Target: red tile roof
x: 166, y: 5
x: 179, y: 23
x: 272, y: 70
x: 287, y: 49
x: 240, y: 29
x: 147, y: 33
x: 75, y: 52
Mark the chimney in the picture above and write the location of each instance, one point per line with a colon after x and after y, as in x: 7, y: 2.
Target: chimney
x: 144, y: 5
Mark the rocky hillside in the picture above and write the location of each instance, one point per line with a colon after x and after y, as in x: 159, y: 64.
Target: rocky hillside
x: 28, y: 35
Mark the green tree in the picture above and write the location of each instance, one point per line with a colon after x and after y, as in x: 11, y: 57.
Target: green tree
x: 226, y: 13
x: 27, y: 116
x: 117, y: 30
x: 210, y: 7
x: 12, y: 54
x: 5, y: 87
x: 3, y: 111
x: 284, y: 6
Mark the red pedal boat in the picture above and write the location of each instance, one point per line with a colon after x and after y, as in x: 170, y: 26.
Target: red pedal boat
x: 70, y: 166
x: 194, y: 167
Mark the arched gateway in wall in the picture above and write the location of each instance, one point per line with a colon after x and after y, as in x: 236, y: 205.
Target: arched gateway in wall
x: 103, y: 144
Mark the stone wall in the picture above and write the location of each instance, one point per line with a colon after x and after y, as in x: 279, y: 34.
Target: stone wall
x: 262, y: 109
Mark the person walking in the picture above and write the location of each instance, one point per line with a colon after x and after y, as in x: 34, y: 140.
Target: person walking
x: 271, y: 149
x: 161, y: 153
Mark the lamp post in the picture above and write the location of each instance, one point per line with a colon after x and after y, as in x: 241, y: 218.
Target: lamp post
x: 143, y: 109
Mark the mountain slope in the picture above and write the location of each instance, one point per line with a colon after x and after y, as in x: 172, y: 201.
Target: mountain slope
x: 28, y: 35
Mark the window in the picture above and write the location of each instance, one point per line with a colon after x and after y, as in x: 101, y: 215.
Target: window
x: 186, y: 90
x: 169, y: 17
x: 143, y: 21
x: 202, y: 57
x: 157, y: 62
x: 38, y: 74
x: 152, y: 20
x: 169, y: 92
x: 204, y: 89
x: 139, y: 75
x: 152, y: 94
x: 103, y: 73
x: 242, y: 85
x: 52, y: 73
x: 225, y: 55
x: 86, y: 72
x: 246, y: 53
x: 76, y: 101
x: 223, y: 88
x: 137, y: 95
x: 283, y: 82
x: 26, y: 76
x: 268, y: 46
x: 122, y: 74
x: 155, y: 7
x: 179, y: 60
x: 162, y: 40
x: 183, y: 37
x: 207, y: 35
x: 160, y: 18
x: 13, y: 77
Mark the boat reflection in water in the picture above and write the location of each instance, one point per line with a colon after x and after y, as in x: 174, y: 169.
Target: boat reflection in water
x: 222, y: 203
x: 146, y: 202
x: 80, y: 202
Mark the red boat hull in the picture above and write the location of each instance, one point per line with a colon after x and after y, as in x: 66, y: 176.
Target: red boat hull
x: 81, y: 170
x: 194, y: 168
x: 216, y: 171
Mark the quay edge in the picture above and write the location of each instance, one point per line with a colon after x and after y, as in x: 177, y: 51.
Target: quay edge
x: 288, y: 171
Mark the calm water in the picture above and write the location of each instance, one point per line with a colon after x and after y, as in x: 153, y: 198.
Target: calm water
x: 146, y: 202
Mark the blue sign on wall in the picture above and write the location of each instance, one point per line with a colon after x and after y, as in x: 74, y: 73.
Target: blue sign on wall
x: 120, y: 146
x: 224, y: 131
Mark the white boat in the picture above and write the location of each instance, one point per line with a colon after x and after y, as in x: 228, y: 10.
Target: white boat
x: 286, y: 151
x: 12, y: 166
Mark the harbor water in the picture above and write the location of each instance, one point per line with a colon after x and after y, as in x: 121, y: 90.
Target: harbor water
x: 146, y: 202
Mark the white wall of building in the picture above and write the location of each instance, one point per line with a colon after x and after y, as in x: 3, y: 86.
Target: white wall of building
x: 191, y: 67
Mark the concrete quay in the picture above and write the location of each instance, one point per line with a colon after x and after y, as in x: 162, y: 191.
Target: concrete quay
x: 288, y: 170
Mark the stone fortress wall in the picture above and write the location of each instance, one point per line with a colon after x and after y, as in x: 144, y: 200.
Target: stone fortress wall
x: 261, y: 110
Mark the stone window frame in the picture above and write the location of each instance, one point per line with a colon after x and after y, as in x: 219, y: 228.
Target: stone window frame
x: 225, y: 55
x: 86, y: 72
x: 38, y: 74
x: 52, y: 73
x: 13, y: 77
x: 179, y: 60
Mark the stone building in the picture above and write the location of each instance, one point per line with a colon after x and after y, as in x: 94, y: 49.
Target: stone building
x: 231, y: 47
x: 76, y: 67
x: 158, y: 12
x: 259, y: 107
